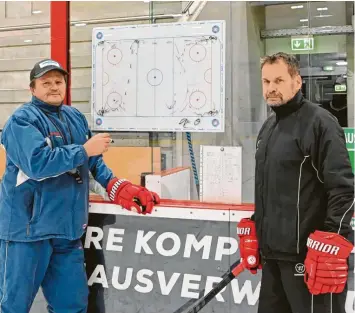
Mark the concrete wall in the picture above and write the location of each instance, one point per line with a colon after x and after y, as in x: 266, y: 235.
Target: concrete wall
x: 350, y: 20
x: 16, y: 55
x: 350, y: 80
x: 245, y: 110
x: 20, y: 49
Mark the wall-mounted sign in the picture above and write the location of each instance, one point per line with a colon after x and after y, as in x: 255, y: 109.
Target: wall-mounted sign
x: 302, y: 43
x: 340, y: 88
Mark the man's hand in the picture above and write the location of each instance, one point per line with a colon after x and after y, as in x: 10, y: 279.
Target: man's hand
x: 326, y: 262
x: 132, y: 197
x: 248, y: 244
x: 97, y: 144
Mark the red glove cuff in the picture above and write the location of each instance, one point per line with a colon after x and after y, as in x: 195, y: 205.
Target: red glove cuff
x: 328, y: 244
x: 246, y: 227
x: 114, y: 186
x: 131, y: 197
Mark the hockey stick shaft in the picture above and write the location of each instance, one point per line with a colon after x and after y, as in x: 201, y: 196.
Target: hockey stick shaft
x: 223, y: 283
x: 202, y: 292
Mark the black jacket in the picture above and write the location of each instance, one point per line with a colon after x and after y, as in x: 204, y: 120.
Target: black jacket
x: 303, y: 179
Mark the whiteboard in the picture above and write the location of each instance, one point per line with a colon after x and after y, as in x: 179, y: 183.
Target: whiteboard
x: 221, y: 174
x: 159, y: 77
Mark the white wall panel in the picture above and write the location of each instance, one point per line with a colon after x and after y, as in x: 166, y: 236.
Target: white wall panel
x: 18, y: 9
x: 14, y: 13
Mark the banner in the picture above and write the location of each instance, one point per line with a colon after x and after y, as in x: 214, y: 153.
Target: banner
x: 159, y: 262
x: 350, y: 144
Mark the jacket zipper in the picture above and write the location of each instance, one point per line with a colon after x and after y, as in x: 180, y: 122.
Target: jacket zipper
x: 64, y: 121
x: 59, y: 129
x: 264, y: 178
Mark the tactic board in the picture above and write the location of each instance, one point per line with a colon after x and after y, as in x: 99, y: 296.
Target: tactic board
x: 221, y: 174
x: 159, y: 77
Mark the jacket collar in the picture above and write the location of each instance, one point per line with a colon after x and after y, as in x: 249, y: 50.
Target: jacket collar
x: 45, y: 106
x: 289, y: 107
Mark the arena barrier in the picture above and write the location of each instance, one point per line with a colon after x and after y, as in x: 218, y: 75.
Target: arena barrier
x: 158, y: 262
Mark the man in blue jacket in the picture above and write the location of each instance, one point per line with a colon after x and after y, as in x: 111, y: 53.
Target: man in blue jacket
x: 44, y: 197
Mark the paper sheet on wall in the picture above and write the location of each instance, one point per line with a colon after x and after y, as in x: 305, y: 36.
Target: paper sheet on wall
x: 221, y: 174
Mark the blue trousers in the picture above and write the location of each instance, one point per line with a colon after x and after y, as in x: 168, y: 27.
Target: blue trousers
x: 56, y: 265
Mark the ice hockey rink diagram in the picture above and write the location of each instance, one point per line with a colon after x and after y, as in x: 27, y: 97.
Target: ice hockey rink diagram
x: 159, y: 77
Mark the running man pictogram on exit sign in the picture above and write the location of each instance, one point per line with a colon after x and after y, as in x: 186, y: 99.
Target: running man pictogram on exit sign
x: 302, y: 43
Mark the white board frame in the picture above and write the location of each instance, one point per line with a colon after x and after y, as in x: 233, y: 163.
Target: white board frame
x: 198, y: 120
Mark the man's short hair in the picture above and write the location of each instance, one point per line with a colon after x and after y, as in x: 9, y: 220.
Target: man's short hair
x: 291, y: 61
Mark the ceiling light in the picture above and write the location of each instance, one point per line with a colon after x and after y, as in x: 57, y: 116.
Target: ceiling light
x: 27, y: 40
x: 328, y: 68
x: 303, y: 20
x: 296, y: 7
x: 36, y: 12
x: 324, y: 15
x: 341, y: 63
x: 79, y: 24
x: 322, y: 9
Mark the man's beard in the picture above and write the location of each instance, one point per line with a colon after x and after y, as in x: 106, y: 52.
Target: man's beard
x: 275, y: 104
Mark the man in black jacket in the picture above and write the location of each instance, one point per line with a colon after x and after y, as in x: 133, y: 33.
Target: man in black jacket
x: 304, y: 200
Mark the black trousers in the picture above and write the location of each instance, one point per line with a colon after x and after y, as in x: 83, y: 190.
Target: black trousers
x: 283, y: 290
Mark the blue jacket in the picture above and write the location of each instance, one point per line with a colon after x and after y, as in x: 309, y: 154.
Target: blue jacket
x: 39, y: 198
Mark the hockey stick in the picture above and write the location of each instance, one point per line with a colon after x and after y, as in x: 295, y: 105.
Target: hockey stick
x: 193, y: 163
x: 202, y: 300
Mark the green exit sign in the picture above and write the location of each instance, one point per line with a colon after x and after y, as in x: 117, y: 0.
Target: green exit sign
x: 340, y: 88
x: 302, y: 43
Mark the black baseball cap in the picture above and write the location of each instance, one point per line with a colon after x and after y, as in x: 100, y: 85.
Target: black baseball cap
x: 44, y: 66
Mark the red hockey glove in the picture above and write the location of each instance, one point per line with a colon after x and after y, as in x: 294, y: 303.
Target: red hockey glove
x: 132, y: 197
x: 326, y: 262
x: 248, y: 244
